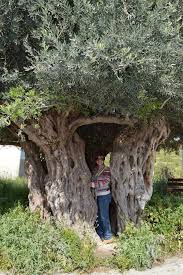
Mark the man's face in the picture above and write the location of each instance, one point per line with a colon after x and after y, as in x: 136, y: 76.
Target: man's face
x: 100, y: 160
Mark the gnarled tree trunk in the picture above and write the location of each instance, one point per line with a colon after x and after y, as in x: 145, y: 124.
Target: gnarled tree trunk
x: 67, y: 182
x: 132, y: 166
x: 68, y: 185
x: 65, y: 190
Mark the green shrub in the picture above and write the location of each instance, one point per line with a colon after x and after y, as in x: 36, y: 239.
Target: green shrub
x: 33, y: 246
x: 138, y: 248
x: 160, y: 234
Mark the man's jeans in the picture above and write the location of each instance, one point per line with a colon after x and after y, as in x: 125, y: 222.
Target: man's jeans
x: 104, y: 227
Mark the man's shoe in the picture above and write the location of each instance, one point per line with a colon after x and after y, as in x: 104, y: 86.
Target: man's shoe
x: 108, y: 241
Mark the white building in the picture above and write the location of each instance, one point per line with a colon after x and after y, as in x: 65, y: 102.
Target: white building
x: 12, y: 160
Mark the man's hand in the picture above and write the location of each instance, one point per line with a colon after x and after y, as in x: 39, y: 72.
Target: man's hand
x: 92, y: 185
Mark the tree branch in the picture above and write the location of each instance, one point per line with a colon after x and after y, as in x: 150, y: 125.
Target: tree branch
x: 164, y: 103
x: 99, y: 119
x: 125, y: 9
x: 32, y: 135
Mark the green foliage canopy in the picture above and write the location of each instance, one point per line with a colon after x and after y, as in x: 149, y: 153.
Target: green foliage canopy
x: 109, y: 57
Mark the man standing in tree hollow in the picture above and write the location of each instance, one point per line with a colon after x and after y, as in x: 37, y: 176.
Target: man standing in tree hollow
x: 101, y: 184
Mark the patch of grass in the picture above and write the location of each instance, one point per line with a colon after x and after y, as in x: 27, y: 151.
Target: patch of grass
x: 5, y: 262
x: 168, y: 164
x: 12, y: 192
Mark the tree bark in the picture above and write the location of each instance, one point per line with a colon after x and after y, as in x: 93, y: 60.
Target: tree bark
x: 67, y: 184
x: 36, y: 176
x: 132, y: 167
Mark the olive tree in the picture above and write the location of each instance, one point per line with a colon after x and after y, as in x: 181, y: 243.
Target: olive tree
x: 80, y: 77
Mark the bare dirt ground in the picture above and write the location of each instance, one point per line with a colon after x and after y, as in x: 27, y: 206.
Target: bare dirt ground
x: 172, y: 266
